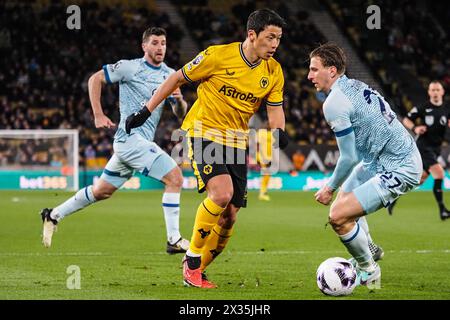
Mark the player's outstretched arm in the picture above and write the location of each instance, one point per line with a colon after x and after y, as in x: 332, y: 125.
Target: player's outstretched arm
x: 277, y: 122
x: 137, y: 119
x: 95, y: 91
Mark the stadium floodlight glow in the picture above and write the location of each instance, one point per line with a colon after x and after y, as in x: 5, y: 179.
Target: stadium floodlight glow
x: 39, y: 159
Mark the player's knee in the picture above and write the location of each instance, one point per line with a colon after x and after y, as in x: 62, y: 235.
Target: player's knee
x: 175, y: 179
x: 336, y: 219
x: 439, y: 176
x: 222, y: 198
x: 101, y: 194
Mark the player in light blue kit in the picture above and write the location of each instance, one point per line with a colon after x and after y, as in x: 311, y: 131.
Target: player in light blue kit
x: 378, y: 161
x: 138, y: 80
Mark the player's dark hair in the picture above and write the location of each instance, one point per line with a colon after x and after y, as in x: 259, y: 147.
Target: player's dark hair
x: 331, y: 55
x: 436, y: 82
x: 153, y: 31
x: 258, y: 20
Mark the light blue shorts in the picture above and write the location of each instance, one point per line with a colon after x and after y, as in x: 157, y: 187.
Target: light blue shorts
x: 136, y: 154
x: 378, y: 190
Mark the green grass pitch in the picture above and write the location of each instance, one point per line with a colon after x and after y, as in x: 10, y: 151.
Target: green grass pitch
x: 119, y: 246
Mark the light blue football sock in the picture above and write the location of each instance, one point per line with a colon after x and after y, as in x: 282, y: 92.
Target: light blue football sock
x: 171, y: 208
x: 81, y: 199
x: 358, y: 246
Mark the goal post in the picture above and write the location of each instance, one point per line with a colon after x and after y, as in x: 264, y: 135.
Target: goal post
x: 39, y: 159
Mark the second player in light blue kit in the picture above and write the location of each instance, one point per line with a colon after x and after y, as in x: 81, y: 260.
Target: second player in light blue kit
x: 138, y: 79
x: 378, y: 161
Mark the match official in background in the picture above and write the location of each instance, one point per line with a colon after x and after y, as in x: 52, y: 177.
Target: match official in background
x: 430, y: 133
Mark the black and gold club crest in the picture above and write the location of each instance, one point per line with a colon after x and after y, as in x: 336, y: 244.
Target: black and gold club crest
x: 207, y: 169
x: 204, y: 233
x: 264, y: 82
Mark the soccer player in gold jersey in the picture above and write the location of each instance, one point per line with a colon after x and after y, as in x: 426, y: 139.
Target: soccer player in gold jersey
x: 264, y: 158
x: 234, y: 80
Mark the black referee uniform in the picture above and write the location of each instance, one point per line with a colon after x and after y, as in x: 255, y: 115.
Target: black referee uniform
x: 435, y: 118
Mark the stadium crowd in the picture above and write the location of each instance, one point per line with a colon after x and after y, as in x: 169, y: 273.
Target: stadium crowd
x: 47, y: 66
x: 26, y: 153
x: 409, y: 50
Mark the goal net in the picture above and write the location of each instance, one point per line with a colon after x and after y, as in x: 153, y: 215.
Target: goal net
x: 39, y: 159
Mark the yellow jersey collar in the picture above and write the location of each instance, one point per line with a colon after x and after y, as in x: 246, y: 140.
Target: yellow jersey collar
x: 241, y: 51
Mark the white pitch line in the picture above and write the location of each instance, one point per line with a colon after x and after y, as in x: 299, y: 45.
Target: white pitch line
x: 39, y: 254
x: 268, y: 252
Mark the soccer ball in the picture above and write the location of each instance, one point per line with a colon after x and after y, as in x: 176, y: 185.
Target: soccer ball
x: 336, y: 277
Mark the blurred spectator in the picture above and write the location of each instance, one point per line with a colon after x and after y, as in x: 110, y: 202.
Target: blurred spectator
x: 46, y: 66
x: 298, y: 159
x: 90, y: 157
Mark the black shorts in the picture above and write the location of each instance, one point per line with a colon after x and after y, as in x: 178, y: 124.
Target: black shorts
x: 210, y: 159
x: 429, y: 156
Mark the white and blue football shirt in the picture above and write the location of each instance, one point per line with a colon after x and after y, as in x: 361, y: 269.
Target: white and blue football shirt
x: 381, y: 142
x: 138, y: 80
